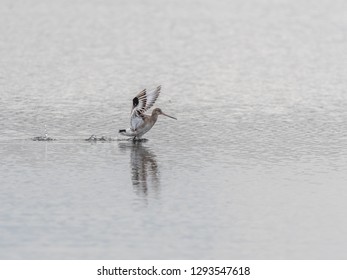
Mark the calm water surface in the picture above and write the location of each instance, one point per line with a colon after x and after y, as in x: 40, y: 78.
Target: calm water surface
x: 254, y: 168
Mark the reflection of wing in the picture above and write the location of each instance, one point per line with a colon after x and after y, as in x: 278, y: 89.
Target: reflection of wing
x: 143, y: 166
x: 141, y: 103
x: 144, y: 169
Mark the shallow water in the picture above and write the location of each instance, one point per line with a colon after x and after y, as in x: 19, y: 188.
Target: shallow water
x: 254, y: 167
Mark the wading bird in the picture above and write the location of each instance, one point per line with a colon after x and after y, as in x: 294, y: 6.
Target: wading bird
x: 139, y: 122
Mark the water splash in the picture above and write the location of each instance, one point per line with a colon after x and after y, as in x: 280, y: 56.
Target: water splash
x: 43, y: 138
x: 94, y: 138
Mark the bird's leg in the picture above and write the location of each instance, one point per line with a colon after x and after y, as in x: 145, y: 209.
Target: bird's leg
x: 135, y: 135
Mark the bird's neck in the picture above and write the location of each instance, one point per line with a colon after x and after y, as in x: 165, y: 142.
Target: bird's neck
x: 154, y: 116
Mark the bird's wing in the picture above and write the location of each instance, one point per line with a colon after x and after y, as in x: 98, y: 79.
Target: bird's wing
x: 145, y: 100
x: 141, y: 103
x: 136, y: 121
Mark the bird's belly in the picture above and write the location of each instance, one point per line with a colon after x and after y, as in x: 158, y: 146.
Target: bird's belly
x: 144, y: 129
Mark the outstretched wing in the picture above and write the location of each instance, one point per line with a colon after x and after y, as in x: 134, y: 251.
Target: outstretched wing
x: 141, y: 103
x: 145, y: 100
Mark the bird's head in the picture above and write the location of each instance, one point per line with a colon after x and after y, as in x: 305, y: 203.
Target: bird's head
x: 158, y: 111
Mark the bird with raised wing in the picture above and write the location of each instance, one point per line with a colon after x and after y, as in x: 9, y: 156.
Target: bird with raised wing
x: 140, y: 123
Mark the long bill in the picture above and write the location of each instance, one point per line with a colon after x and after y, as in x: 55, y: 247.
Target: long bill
x: 169, y: 116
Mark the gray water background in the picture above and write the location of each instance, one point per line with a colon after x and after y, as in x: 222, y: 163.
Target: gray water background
x: 254, y: 168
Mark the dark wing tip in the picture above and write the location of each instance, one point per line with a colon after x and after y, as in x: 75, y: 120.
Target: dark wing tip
x: 135, y: 101
x: 141, y: 93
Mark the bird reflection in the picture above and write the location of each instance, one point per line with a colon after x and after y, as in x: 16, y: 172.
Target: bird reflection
x: 144, y: 167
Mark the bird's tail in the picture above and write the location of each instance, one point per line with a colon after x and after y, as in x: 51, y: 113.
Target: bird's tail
x: 127, y: 132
